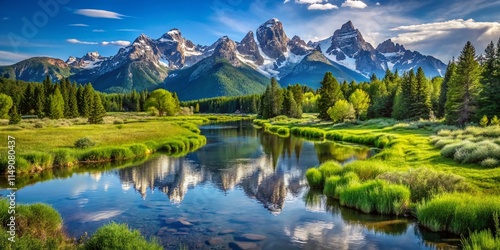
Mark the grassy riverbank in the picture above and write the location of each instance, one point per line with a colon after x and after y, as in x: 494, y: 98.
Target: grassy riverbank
x: 456, y: 192
x: 39, y: 226
x: 43, y: 144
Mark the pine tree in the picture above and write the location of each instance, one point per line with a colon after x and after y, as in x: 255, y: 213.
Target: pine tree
x: 27, y: 105
x: 97, y: 111
x: 330, y: 93
x: 14, y: 116
x: 463, y: 89
x: 72, y: 102
x: 494, y: 121
x: 276, y: 98
x: 489, y: 100
x: 56, y: 103
x: 177, y: 103
x: 484, y: 121
x: 39, y: 96
x: 197, y: 108
x: 87, y: 97
x: 421, y: 106
x: 450, y: 71
x: 290, y: 107
x: 48, y: 90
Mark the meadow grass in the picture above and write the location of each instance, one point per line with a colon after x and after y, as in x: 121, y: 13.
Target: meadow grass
x: 460, y: 213
x: 481, y: 240
x: 51, y: 145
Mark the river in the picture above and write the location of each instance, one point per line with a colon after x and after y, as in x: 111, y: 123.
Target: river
x: 243, y: 181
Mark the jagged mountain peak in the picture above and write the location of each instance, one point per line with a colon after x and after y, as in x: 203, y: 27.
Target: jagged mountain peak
x: 348, y: 26
x: 388, y: 46
x: 171, y: 35
x: 298, y: 46
x: 226, y: 49
x: 272, y: 38
x: 249, y: 49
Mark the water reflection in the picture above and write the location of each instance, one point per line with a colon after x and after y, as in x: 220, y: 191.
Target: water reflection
x: 266, y: 166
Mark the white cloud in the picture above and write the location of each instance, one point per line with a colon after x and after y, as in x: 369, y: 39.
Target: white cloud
x: 117, y: 43
x: 378, y: 4
x: 78, y: 25
x: 357, y: 4
x: 286, y: 1
x: 8, y: 58
x: 76, y: 41
x: 128, y: 30
x: 308, y: 1
x: 454, y: 33
x: 99, y: 13
x: 98, y: 30
x: 326, y: 6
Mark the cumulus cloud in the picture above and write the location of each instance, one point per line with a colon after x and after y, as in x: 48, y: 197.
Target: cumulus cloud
x: 78, y: 25
x: 76, y: 41
x: 454, y: 33
x: 308, y: 1
x: 378, y: 4
x: 356, y: 4
x: 99, y: 13
x: 116, y: 43
x: 316, y: 4
x: 326, y: 6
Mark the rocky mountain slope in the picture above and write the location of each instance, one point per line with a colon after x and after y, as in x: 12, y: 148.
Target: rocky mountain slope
x: 228, y: 67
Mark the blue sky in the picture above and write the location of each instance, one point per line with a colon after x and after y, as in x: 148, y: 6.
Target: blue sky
x: 60, y: 28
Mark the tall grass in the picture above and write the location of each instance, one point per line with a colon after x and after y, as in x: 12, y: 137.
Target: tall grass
x: 459, y: 213
x: 308, y: 132
x: 424, y: 183
x: 334, y: 185
x: 376, y: 196
x: 314, y: 178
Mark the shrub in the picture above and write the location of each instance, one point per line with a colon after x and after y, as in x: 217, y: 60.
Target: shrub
x: 39, y: 125
x: 42, y: 160
x: 64, y: 157
x: 38, y: 226
x: 459, y: 213
x: 119, y: 236
x: 314, y: 178
x: 484, y: 121
x: 490, y: 163
x: 84, y: 143
x: 449, y: 150
x: 308, y: 132
x: 116, y: 122
x: 477, y: 152
x: 424, y: 183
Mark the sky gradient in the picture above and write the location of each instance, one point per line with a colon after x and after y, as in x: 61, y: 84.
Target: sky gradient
x: 63, y: 28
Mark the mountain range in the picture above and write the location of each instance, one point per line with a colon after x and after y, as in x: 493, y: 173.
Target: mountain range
x: 229, y: 67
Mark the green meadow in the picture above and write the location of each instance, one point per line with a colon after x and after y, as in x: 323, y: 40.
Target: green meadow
x: 445, y: 177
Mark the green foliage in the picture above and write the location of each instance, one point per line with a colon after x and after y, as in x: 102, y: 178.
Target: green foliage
x: 64, y: 157
x: 97, y: 111
x: 14, y: 116
x: 84, y: 143
x: 360, y: 101
x: 342, y: 111
x: 5, y: 105
x: 119, y: 236
x: 425, y: 183
x: 314, y: 178
x: 463, y: 88
x: 56, y: 105
x: 481, y: 240
x: 335, y: 185
x: 38, y: 226
x: 271, y: 100
x: 484, y: 121
x: 308, y: 132
x: 494, y: 121
x: 163, y: 101
x: 473, y: 152
x: 459, y: 213
x: 329, y: 94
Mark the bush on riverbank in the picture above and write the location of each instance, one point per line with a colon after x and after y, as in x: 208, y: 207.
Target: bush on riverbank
x: 459, y: 213
x: 482, y: 240
x: 119, y: 236
x: 38, y: 226
x: 308, y: 132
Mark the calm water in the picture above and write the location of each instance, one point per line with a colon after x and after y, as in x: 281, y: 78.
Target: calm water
x: 242, y: 180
